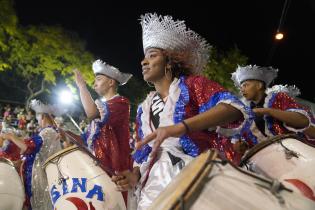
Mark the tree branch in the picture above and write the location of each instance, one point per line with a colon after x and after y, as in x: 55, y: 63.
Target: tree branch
x: 42, y: 89
x: 32, y: 94
x: 29, y: 86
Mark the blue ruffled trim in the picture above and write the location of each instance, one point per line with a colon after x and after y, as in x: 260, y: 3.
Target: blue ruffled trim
x: 29, y: 160
x: 216, y: 98
x: 141, y: 155
x: 249, y: 133
x: 189, y: 147
x: 99, y: 124
x: 225, y: 95
x: 84, y: 137
x: 138, y: 118
x: 222, y: 96
x: 268, y: 119
x: 246, y: 128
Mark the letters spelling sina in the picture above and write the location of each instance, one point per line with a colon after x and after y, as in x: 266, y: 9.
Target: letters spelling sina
x: 78, y: 184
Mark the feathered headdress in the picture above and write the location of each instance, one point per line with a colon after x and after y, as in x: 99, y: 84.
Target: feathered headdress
x: 264, y: 74
x: 100, y: 67
x: 165, y: 33
x: 41, y: 108
x: 291, y: 90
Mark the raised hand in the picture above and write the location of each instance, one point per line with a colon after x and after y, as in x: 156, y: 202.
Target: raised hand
x: 79, y: 79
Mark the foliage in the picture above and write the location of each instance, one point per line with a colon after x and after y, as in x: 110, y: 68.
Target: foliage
x: 222, y: 65
x: 38, y: 54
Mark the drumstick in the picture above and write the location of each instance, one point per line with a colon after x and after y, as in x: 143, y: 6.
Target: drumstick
x: 78, y: 141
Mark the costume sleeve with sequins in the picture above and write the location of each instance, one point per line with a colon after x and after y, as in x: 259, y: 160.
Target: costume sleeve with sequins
x: 33, y: 146
x: 142, y: 154
x: 207, y: 94
x: 284, y: 102
x: 10, y: 151
x: 193, y: 95
x: 108, y: 137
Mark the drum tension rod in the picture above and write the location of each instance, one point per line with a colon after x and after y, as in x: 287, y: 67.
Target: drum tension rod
x: 289, y: 153
x: 275, y: 187
x: 61, y: 177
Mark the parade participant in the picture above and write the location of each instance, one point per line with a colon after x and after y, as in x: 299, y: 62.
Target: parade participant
x: 36, y: 150
x: 293, y: 92
x: 276, y: 112
x: 185, y: 113
x: 107, y: 136
x: 8, y: 149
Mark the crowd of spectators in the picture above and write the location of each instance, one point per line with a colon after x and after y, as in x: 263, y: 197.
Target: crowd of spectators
x: 15, y: 117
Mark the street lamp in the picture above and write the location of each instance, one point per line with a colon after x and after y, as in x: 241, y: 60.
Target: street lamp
x: 65, y: 97
x: 279, y: 35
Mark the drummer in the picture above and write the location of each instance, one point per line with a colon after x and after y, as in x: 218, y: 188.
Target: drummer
x: 184, y: 115
x: 107, y: 136
x: 10, y: 151
x: 294, y: 91
x: 36, y: 150
x: 276, y: 111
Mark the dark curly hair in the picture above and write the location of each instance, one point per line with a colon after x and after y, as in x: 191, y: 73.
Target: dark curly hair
x: 177, y: 61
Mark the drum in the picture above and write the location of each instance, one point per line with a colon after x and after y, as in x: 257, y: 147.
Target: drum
x: 287, y: 159
x: 210, y: 183
x: 11, y: 188
x: 76, y: 182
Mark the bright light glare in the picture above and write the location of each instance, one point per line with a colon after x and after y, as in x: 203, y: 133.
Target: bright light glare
x: 65, y: 97
x: 279, y: 36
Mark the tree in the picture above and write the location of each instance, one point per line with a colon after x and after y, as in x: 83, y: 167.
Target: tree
x: 37, y: 54
x: 45, y: 53
x: 222, y: 64
x: 8, y: 25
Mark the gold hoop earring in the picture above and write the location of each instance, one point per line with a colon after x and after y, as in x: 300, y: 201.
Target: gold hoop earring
x: 165, y: 72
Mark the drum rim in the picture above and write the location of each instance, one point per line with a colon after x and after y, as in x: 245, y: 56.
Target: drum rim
x: 6, y: 160
x: 60, y: 153
x: 184, y: 191
x: 258, y: 147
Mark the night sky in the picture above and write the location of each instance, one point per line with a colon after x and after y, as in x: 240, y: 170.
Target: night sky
x: 113, y: 33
